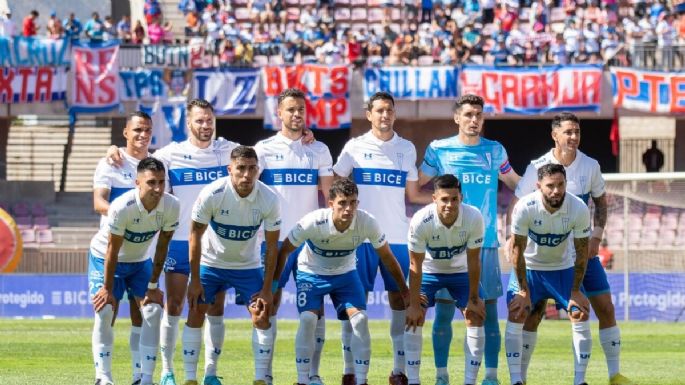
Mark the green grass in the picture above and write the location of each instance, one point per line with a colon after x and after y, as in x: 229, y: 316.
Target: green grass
x: 58, y: 352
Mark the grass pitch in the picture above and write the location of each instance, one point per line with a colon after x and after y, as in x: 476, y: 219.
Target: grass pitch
x: 50, y: 352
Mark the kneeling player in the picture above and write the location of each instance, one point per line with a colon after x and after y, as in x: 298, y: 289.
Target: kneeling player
x: 444, y: 248
x: 542, y: 223
x: 118, y: 261
x: 326, y: 266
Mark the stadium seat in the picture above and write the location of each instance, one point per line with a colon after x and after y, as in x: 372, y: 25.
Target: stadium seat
x: 261, y: 60
x: 358, y: 14
x: 20, y: 209
x: 634, y: 222
x: 615, y: 222
x: 38, y: 210
x: 667, y: 237
x: 649, y: 238
x: 242, y: 14
x: 375, y: 15
x: 478, y: 59
x: 44, y: 236
x: 28, y: 237
x: 669, y: 221
x: 341, y: 3
x: 634, y: 237
x: 293, y: 13
x: 23, y: 222
x: 307, y: 2
x: 41, y: 222
x: 615, y: 238
x: 651, y: 221
x: 342, y: 14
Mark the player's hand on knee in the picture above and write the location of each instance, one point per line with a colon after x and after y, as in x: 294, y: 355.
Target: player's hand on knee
x: 260, y: 313
x: 102, y: 298
x: 520, y: 306
x: 424, y: 300
x: 578, y: 306
x: 475, y: 309
x: 415, y: 316
x: 154, y: 296
x: 195, y: 294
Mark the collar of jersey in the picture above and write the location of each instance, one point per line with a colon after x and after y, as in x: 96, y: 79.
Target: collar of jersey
x: 251, y: 197
x: 554, y: 160
x: 457, y: 139
x: 457, y: 223
x: 128, y: 157
x: 142, y: 209
x: 331, y: 225
x: 287, y: 140
x: 371, y: 138
x: 562, y: 210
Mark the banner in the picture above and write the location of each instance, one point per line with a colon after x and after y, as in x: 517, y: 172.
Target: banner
x: 327, y: 91
x: 168, y: 120
x: 32, y: 84
x: 648, y: 91
x: 412, y: 83
x: 192, y: 55
x: 94, y: 85
x: 534, y: 90
x: 232, y: 91
x: 23, y: 51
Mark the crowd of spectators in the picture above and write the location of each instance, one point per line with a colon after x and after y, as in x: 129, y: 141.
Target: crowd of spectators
x: 402, y: 32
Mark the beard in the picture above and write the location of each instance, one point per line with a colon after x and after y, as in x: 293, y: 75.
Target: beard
x: 554, y: 203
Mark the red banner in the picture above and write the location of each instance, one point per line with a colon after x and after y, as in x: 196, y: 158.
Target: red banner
x: 95, y: 86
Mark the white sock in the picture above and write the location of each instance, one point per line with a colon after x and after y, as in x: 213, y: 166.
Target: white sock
x: 413, y: 343
x: 529, y: 341
x: 191, y: 342
x: 102, y: 340
x: 474, y: 345
x: 513, y: 341
x: 133, y: 342
x: 149, y: 338
x: 214, y: 342
x: 361, y: 346
x: 304, y: 345
x: 274, y: 330
x: 319, y: 338
x: 167, y: 338
x: 582, y: 344
x: 262, y: 345
x: 346, y: 337
x: 610, y: 338
x: 397, y: 324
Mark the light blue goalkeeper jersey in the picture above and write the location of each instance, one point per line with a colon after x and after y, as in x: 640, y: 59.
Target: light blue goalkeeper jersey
x: 478, y: 168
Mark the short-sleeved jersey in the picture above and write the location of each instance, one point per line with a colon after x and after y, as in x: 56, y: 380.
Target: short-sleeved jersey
x: 381, y: 170
x: 117, y: 180
x: 583, y: 176
x: 550, y: 235
x: 478, y: 168
x: 327, y: 251
x: 292, y: 170
x: 230, y: 241
x: 128, y: 218
x: 445, y: 247
x: 189, y: 169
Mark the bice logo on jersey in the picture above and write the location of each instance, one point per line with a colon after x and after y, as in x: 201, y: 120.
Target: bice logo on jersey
x: 549, y: 240
x: 191, y: 176
x: 475, y: 178
x: 293, y: 178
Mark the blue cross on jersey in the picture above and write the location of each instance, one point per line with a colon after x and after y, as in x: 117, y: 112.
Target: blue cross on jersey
x: 478, y: 168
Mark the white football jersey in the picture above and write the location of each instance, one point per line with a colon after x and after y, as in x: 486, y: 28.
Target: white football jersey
x: 549, y: 235
x: 230, y: 241
x: 128, y: 218
x: 292, y: 170
x: 190, y: 169
x: 328, y: 251
x: 381, y: 171
x: 445, y: 247
x: 117, y: 180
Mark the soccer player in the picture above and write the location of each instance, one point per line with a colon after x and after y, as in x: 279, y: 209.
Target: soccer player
x: 543, y: 222
x: 326, y: 266
x: 444, y: 248
x: 383, y: 165
x: 584, y: 181
x: 226, y: 255
x: 118, y: 259
x: 109, y: 182
x: 295, y: 171
x: 478, y: 163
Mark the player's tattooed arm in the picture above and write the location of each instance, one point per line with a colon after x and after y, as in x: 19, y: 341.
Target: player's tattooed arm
x: 601, y: 211
x: 160, y: 254
x: 520, y: 242
x: 582, y: 249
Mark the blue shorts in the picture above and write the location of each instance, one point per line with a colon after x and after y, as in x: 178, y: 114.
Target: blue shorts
x: 177, y: 259
x: 542, y: 285
x: 290, y: 264
x: 368, y: 263
x: 132, y: 276
x: 245, y: 282
x: 346, y: 291
x: 490, y: 274
x: 595, y: 281
x: 457, y: 285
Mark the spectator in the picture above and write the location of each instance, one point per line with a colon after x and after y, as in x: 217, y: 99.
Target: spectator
x: 73, y: 27
x: 508, y: 15
x: 229, y: 30
x: 244, y: 53
x: 192, y: 24
x: 138, y: 33
x: 666, y: 37
x: 426, y: 11
x: 227, y: 57
x: 29, y: 27
x: 109, y: 29
x: 499, y: 54
x: 124, y: 29
x: 95, y: 29
x: 213, y: 30
x: 155, y: 32
x: 54, y: 27
x: 152, y: 10
x: 330, y: 52
x: 557, y: 51
x: 7, y: 26
x: 606, y: 256
x: 258, y: 10
x: 610, y: 49
x: 353, y: 51
x: 488, y: 11
x: 591, y: 41
x: 168, y: 32
x: 571, y: 36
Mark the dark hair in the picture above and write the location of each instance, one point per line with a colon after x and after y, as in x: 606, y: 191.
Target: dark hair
x: 551, y: 169
x: 342, y: 187
x: 564, y: 117
x: 34, y: 13
x: 471, y: 99
x: 381, y: 95
x: 199, y: 103
x: 138, y: 114
x: 446, y: 181
x: 290, y: 93
x: 244, y: 152
x: 151, y: 164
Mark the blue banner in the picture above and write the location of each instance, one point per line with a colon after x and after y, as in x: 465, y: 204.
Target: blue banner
x: 23, y: 51
x: 653, y: 297
x: 412, y: 83
x: 232, y: 91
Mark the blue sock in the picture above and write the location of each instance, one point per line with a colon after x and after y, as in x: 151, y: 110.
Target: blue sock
x: 493, y: 338
x: 442, y: 332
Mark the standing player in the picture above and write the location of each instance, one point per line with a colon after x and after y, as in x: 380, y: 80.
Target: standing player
x: 110, y: 182
x: 118, y: 260
x: 227, y: 256
x: 295, y: 171
x: 584, y: 181
x: 543, y: 221
x: 444, y: 246
x: 383, y: 165
x: 326, y: 266
x: 478, y: 163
